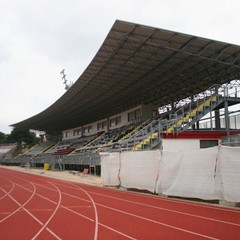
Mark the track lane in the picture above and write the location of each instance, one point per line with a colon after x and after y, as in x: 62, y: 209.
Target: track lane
x: 94, y: 207
x: 205, y: 225
x: 51, y: 216
x: 21, y: 206
x: 214, y: 213
x: 68, y: 207
x: 115, y: 233
x: 3, y: 190
x: 141, y: 212
x: 26, y: 210
x: 211, y: 226
x: 205, y: 218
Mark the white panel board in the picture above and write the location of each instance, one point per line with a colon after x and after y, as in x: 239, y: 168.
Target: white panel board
x: 190, y: 174
x: 229, y: 162
x: 140, y: 169
x: 110, y: 167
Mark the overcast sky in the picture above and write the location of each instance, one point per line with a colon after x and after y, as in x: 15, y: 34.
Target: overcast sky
x: 38, y: 38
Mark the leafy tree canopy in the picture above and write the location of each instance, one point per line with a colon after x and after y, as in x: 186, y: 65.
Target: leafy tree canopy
x: 24, y: 137
x: 2, y: 138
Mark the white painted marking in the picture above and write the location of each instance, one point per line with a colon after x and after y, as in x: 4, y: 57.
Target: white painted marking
x: 21, y: 206
x: 54, y: 212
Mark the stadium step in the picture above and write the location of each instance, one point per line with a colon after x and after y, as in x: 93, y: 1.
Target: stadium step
x: 146, y: 141
x: 134, y: 130
x: 186, y: 120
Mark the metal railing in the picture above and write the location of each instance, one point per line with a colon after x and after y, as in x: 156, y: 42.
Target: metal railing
x: 232, y: 141
x: 220, y: 93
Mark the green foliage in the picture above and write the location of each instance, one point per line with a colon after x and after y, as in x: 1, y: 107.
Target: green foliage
x: 2, y: 138
x: 22, y: 137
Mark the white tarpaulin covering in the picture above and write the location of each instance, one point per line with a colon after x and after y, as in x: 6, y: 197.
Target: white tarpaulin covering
x: 190, y: 174
x: 139, y: 169
x: 229, y: 170
x: 211, y: 173
x: 110, y: 166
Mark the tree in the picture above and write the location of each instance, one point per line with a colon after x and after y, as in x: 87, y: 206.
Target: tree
x: 2, y: 138
x: 22, y: 136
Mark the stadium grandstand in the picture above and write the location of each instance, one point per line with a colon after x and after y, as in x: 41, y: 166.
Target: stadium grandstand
x: 6, y: 151
x: 145, y: 89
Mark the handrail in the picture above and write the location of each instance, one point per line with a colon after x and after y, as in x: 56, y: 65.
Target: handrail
x: 184, y: 102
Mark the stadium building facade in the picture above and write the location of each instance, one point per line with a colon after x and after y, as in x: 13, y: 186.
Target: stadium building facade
x: 145, y: 89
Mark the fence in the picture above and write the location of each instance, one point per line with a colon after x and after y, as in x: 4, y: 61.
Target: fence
x: 211, y: 173
x: 232, y: 140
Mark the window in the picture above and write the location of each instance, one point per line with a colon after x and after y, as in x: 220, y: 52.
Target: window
x: 87, y: 129
x: 77, y: 132
x: 112, y: 122
x: 101, y: 125
x: 104, y: 124
x: 208, y: 143
x: 134, y: 115
x: 138, y: 113
x: 115, y: 121
x: 66, y: 134
x: 118, y: 120
x: 131, y: 116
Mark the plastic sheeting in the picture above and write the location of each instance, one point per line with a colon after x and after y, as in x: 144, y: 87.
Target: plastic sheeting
x: 110, y: 167
x: 229, y: 170
x: 139, y: 170
x: 190, y: 174
x: 212, y: 173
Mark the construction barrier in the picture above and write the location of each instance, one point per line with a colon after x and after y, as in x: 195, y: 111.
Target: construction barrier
x: 210, y: 173
x: 46, y: 166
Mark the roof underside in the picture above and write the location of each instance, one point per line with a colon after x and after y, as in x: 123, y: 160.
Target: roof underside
x: 135, y: 65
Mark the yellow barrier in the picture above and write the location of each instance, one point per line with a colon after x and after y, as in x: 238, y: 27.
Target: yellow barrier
x: 46, y: 166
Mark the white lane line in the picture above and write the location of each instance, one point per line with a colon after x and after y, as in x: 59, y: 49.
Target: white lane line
x: 147, y: 219
x: 28, y: 212
x: 21, y: 206
x: 13, y: 186
x: 6, y: 193
x: 181, y: 201
x: 118, y: 232
x: 100, y: 224
x: 167, y: 225
x: 168, y: 210
x: 157, y: 222
x: 159, y: 208
x: 54, y: 212
x: 95, y: 210
x: 81, y: 215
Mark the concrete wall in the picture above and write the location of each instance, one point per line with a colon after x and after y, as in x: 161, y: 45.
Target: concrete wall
x: 146, y: 110
x: 180, y: 144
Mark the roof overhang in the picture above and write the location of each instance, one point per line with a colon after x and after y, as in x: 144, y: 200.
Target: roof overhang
x: 138, y: 64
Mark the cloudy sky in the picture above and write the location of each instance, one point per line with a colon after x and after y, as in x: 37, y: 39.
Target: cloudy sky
x: 38, y: 38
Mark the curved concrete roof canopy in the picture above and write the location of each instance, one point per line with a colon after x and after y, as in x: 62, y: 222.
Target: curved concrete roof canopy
x: 138, y: 64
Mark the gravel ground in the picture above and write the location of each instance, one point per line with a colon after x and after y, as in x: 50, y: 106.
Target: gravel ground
x: 73, y: 176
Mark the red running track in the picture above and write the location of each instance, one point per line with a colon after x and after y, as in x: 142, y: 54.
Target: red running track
x: 37, y: 207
